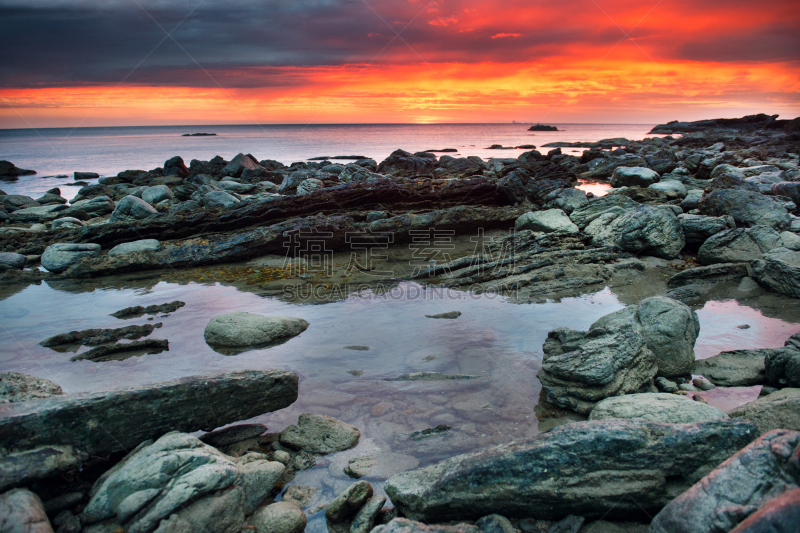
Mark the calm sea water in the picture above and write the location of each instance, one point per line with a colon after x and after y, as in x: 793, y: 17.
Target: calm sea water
x: 109, y: 151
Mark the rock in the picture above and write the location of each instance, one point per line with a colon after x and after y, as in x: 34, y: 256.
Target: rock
x: 671, y: 330
x: 703, y: 279
x: 430, y: 376
x: 403, y: 525
x: 93, y: 207
x: 66, y: 223
x: 666, y: 408
x: 747, y: 208
x: 629, y: 176
x: 744, y: 483
x: 449, y: 314
x: 92, y: 191
x: 379, y: 465
x: 649, y: 230
x: 698, y: 228
x: 25, y: 467
x: 131, y: 208
x: 219, y: 200
x: 349, y: 502
x: 12, y: 261
x: 790, y: 189
x: 671, y: 187
x: 665, y: 385
x: 86, y: 176
x: 779, y: 271
x: 95, y: 337
x: 359, y: 466
x: 7, y: 168
x: 570, y: 524
x: 17, y: 387
x: 299, y: 495
x: 519, y: 187
x: 780, y: 514
x: 59, y: 257
x: 738, y: 245
x: 21, y: 511
x: 233, y: 434
x: 135, y: 246
x: 364, y: 520
x: 609, y: 164
x: 239, y: 188
x: 604, y: 526
x: 174, y: 166
x: 240, y: 163
x: 248, y: 329
x: 692, y: 200
x: 156, y: 194
x: 402, y: 163
x: 279, y: 517
x: 702, y: 384
x: 14, y: 202
x: 320, y: 434
x: 309, y: 186
x: 170, y: 479
x: 494, y: 523
x: 135, y: 414
x: 568, y: 200
x: 790, y: 240
x: 737, y: 368
x: 546, y: 221
x: 779, y: 410
x: 36, y: 214
x: 627, y: 461
x: 783, y: 366
x: 138, y: 310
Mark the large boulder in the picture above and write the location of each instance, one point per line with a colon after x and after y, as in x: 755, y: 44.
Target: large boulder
x: 747, y: 208
x: 157, y: 193
x: 59, y: 257
x: 402, y: 163
x: 779, y: 410
x: 736, y: 368
x: 765, y: 469
x: 180, y: 484
x: 320, y: 434
x: 240, y: 163
x: 174, y: 166
x: 583, y: 216
x: 14, y: 202
x: 143, y: 245
x: 698, y: 228
x: 629, y: 176
x: 656, y: 407
x: 12, y: 261
x: 783, y: 367
x: 607, y: 467
x: 645, y: 230
x: 249, y: 329
x: 547, y: 221
x: 790, y: 189
x: 132, y: 208
x: 219, y: 200
x: 779, y: 271
x: 518, y: 187
x: 671, y: 330
x: 568, y: 200
x: 136, y: 414
x: 21, y: 511
x: 738, y: 245
x: 9, y: 169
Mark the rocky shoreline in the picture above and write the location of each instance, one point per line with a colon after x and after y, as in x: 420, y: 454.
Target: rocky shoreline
x: 718, y: 205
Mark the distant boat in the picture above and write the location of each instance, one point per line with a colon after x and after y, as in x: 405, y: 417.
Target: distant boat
x: 542, y: 127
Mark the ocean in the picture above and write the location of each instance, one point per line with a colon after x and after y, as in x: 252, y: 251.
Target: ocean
x: 108, y: 151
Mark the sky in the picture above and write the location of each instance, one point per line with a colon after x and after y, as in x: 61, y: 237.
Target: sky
x: 157, y: 62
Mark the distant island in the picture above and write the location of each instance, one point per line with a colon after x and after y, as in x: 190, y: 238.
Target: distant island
x: 199, y: 135
x: 542, y: 127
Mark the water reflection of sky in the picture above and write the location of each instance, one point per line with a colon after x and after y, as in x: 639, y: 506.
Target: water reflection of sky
x: 598, y: 189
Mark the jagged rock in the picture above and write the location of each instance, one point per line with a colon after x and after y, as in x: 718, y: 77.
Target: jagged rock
x: 279, y: 517
x: 790, y: 189
x: 136, y: 414
x: 547, y: 221
x: 783, y: 366
x: 738, y: 245
x: 779, y: 410
x: 747, y: 208
x: 609, y: 164
x: 779, y: 271
x: 94, y: 337
x: 698, y: 228
x: 735, y: 489
x: 649, y: 230
x: 132, y: 208
x: 138, y: 310
x: 239, y: 164
x: 59, y: 257
x: 248, y: 329
x: 320, y: 434
x: 175, y: 166
x: 659, y: 407
x: 568, y: 200
x: 737, y: 368
x: 596, y: 207
x: 629, y: 176
x: 122, y: 350
x: 625, y: 466
x: 349, y: 502
x: 402, y: 163
x: 21, y: 511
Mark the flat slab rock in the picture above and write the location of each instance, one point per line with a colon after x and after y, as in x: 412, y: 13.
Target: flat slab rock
x: 18, y: 387
x: 625, y: 465
x: 779, y: 410
x: 737, y: 368
x: 22, y: 468
x: 320, y: 434
x: 658, y: 407
x: 118, y: 420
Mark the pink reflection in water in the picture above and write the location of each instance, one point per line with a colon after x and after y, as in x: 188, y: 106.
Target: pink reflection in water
x: 598, y: 189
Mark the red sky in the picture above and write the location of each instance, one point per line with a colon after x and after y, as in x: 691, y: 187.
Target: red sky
x: 331, y: 61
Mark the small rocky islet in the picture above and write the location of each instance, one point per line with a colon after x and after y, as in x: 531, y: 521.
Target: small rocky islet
x: 719, y: 204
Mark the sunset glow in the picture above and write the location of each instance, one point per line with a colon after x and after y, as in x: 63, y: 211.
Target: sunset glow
x: 356, y: 62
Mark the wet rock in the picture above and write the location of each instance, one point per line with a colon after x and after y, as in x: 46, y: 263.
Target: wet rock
x: 430, y: 376
x: 402, y: 163
x: 569, y: 524
x: 649, y: 230
x: 629, y: 176
x: 425, y: 433
x: 9, y: 169
x: 779, y: 410
x: 779, y: 271
x: 303, y: 461
x: 780, y: 514
x: 568, y: 200
x: 233, y: 434
x: 138, y: 310
x: 695, y: 282
x: 403, y: 525
x: 143, y: 245
x: 633, y: 465
x: 66, y: 223
x: 738, y: 245
x: 131, y: 208
x: 136, y: 414
x: 94, y: 337
x: 379, y: 465
x: 12, y: 261
x: 25, y: 467
x: 735, y: 489
x: 239, y: 164
x: 747, y: 208
x: 157, y: 193
x: 249, y: 329
x: 494, y: 523
x: 36, y: 214
x: 665, y: 385
x: 737, y: 368
x: 364, y: 520
x: 546, y: 221
x: 86, y: 176
x: 17, y: 387
x: 174, y: 166
x: 279, y: 517
x: 449, y: 314
x: 59, y: 257
x: 299, y: 495
x: 123, y: 350
x: 670, y: 329
x: 702, y: 384
x: 783, y: 367
x: 666, y: 408
x: 21, y: 511
x: 698, y: 228
x: 349, y: 502
x: 320, y: 434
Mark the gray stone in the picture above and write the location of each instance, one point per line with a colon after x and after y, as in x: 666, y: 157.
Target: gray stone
x: 647, y: 230
x: 568, y: 200
x: 13, y: 202
x: 783, y: 367
x: 36, y: 214
x: 569, y: 524
x: 666, y: 408
x: 240, y: 163
x: 93, y: 207
x: 17, y: 387
x: 629, y: 176
x: 233, y: 434
x: 66, y: 222
x: 21, y: 511
x: 364, y: 520
x: 737, y: 368
x: 12, y: 261
x: 671, y: 187
x: 779, y: 271
x: 671, y: 330
x: 378, y: 465
x: 157, y: 193
x: 790, y: 240
x: 132, y: 208
x: 279, y: 517
x: 779, y: 410
x: 320, y: 434
x: 25, y: 467
x: 249, y: 329
x: 309, y: 186
x: 692, y: 200
x: 239, y: 188
x: 583, y: 216
x: 625, y: 466
x: 219, y: 200
x: 546, y: 221
x: 665, y: 385
x: 698, y: 228
x: 736, y: 488
x: 349, y: 502
x: 747, y: 208
x: 780, y: 514
x: 175, y: 166
x: 135, y: 246
x: 738, y: 245
x: 59, y: 257
x: 299, y: 495
x: 449, y: 314
x: 136, y: 414
x: 494, y: 523
x: 403, y: 525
